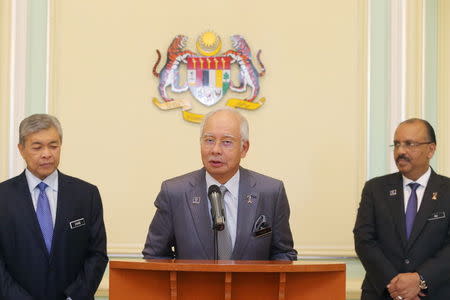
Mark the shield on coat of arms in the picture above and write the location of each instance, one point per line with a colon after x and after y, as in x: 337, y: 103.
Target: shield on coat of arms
x: 208, y: 78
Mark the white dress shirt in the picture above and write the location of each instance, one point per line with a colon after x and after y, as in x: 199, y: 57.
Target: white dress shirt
x: 423, y: 181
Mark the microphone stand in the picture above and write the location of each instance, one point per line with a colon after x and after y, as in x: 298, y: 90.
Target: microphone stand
x: 216, y: 249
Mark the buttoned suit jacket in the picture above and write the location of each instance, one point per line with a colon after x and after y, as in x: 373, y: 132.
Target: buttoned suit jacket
x: 380, y: 236
x: 78, y: 258
x: 183, y: 220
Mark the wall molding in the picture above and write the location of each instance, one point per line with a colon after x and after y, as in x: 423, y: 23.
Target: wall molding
x: 443, y: 90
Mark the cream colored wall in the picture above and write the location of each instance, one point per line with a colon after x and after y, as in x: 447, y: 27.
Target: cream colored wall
x: 5, y: 27
x: 310, y: 133
x: 443, y: 131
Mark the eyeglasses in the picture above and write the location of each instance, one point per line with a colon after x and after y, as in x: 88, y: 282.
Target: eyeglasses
x: 226, y: 143
x: 408, y: 145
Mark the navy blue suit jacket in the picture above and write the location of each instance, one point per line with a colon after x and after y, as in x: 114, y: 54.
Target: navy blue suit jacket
x: 78, y: 257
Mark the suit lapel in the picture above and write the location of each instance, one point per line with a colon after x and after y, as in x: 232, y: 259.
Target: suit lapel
x: 396, y: 204
x: 29, y: 213
x: 197, y: 201
x: 427, y: 206
x: 247, y: 205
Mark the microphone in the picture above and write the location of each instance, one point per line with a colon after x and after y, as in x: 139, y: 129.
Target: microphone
x: 215, y: 197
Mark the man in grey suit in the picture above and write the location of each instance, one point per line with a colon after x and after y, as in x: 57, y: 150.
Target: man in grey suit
x: 256, y: 206
x: 402, y: 231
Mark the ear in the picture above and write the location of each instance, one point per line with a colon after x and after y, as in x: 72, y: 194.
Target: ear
x: 21, y: 148
x: 245, y: 147
x: 431, y: 150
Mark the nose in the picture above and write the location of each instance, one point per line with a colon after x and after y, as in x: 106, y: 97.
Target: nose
x: 46, y: 153
x: 217, y: 149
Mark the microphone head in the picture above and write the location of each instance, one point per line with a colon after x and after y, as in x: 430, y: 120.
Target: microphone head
x: 213, y: 189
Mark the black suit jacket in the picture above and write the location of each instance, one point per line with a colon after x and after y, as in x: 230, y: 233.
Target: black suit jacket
x: 380, y: 236
x: 78, y: 257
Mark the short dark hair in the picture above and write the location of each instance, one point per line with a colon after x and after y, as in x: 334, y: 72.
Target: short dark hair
x: 430, y: 130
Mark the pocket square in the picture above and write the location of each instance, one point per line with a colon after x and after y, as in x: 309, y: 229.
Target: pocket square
x: 437, y: 215
x: 261, y: 226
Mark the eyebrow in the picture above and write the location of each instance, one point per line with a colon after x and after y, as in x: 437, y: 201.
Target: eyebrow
x: 40, y: 143
x: 225, y: 135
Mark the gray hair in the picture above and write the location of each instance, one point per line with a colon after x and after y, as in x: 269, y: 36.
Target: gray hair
x: 38, y: 122
x: 244, y: 131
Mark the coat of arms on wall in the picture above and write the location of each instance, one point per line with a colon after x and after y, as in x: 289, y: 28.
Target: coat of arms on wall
x: 209, y: 74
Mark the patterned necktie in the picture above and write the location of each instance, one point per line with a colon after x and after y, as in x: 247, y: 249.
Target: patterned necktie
x: 224, y: 239
x: 411, y: 209
x: 44, y: 216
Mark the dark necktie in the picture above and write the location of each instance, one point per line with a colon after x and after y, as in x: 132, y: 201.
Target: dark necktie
x: 411, y: 209
x: 224, y: 239
x: 44, y: 216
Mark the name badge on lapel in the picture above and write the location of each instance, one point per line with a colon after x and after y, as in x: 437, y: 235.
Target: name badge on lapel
x: 77, y: 223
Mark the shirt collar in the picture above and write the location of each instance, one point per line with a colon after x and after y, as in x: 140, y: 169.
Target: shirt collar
x: 232, y: 184
x: 423, y: 180
x: 51, y: 180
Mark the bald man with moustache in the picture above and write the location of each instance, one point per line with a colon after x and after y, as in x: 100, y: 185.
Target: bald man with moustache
x: 402, y: 231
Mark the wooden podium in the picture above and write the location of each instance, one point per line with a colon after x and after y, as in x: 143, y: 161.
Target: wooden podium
x: 225, y: 280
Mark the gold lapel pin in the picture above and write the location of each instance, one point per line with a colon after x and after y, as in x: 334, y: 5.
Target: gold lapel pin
x: 434, y: 196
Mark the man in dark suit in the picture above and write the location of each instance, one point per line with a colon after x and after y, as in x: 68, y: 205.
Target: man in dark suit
x: 402, y: 231
x: 256, y: 207
x: 52, y: 235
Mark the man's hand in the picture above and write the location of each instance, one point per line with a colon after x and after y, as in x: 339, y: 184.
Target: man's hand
x: 405, y: 286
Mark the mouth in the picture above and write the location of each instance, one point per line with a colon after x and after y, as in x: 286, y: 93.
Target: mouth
x: 46, y: 165
x: 216, y: 163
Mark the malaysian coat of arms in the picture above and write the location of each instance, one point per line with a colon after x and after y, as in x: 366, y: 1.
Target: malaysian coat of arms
x: 208, y: 74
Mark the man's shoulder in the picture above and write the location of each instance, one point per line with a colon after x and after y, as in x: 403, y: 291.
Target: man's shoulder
x: 440, y: 176
x: 75, y: 181
x: 388, y: 178
x: 191, y: 177
x: 260, y: 181
x: 258, y: 176
x: 12, y: 182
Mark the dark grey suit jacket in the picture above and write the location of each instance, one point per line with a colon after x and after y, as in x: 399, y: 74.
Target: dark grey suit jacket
x: 78, y: 257
x: 181, y: 227
x: 380, y: 236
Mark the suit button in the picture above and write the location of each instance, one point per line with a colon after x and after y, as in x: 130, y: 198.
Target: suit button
x: 407, y: 261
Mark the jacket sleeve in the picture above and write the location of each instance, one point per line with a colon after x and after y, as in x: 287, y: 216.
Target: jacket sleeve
x: 379, y: 269
x: 282, y: 244
x: 91, y: 274
x: 160, y: 237
x: 9, y: 288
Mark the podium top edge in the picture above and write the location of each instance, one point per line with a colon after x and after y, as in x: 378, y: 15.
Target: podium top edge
x: 227, y: 265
